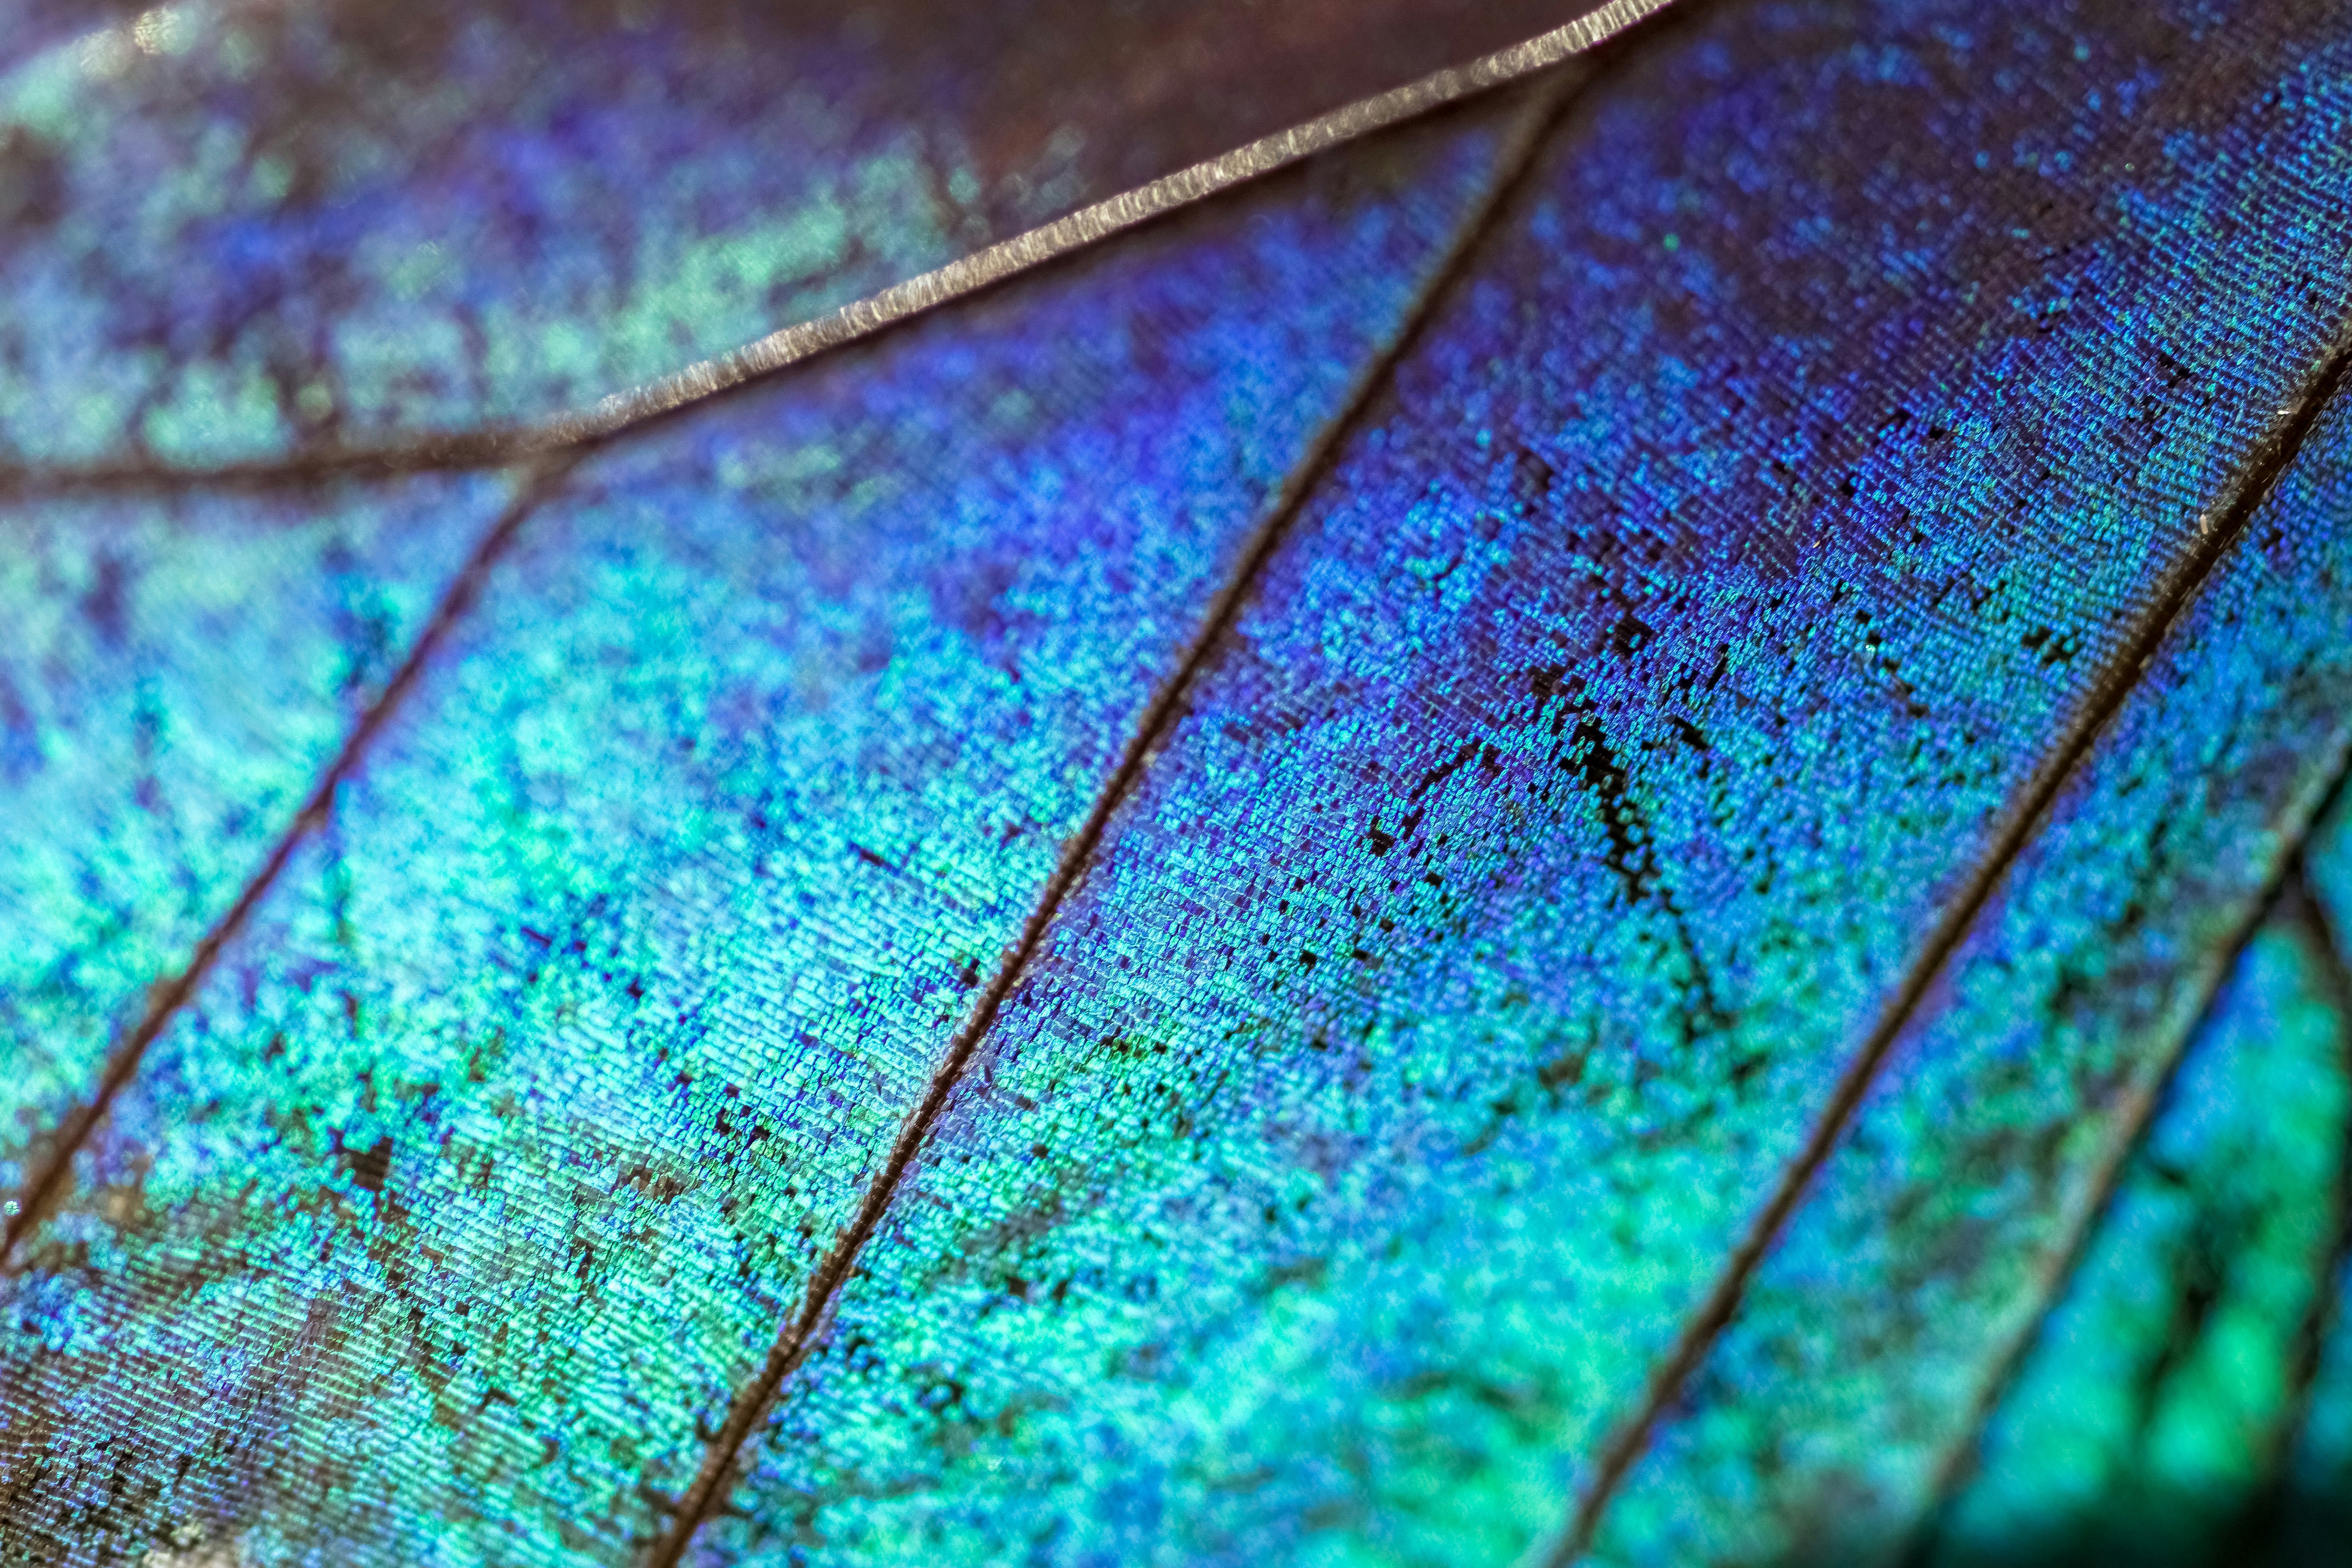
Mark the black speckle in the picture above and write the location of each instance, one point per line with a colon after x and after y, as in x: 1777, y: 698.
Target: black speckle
x: 369, y: 1167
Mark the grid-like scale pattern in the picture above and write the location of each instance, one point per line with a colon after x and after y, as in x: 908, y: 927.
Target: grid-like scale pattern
x: 248, y: 228
x: 2154, y: 1407
x: 1918, y: 1258
x: 176, y: 674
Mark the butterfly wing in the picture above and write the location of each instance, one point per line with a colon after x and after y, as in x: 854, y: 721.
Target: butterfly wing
x: 1610, y: 744
x: 1931, y: 1239
x: 1584, y: 804
x: 2151, y: 1416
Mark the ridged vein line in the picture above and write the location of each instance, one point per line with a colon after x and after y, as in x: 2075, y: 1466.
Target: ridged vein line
x: 2118, y: 678
x: 1512, y: 163
x: 876, y: 313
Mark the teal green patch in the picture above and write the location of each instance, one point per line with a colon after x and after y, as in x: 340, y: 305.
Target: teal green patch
x: 1576, y: 789
x: 1828, y: 1414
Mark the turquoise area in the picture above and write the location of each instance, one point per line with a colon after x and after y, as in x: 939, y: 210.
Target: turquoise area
x: 1577, y: 782
x: 174, y: 676
x: 1835, y: 1401
x: 2155, y: 1408
x: 481, y: 1176
x: 1575, y: 789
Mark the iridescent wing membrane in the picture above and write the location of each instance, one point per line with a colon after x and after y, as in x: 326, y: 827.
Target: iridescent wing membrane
x: 1595, y: 828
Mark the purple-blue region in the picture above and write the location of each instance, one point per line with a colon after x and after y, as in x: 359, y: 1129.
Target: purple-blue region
x: 445, y: 1224
x: 1808, y: 447
x: 34, y: 26
x: 236, y: 229
x: 1575, y: 793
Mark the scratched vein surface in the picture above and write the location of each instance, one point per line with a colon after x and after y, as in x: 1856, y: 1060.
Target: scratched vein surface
x: 1823, y: 527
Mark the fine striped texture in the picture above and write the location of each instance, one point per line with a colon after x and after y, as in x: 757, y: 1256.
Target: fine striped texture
x: 177, y: 673
x: 1834, y: 1402
x: 2152, y: 1416
x: 1577, y: 794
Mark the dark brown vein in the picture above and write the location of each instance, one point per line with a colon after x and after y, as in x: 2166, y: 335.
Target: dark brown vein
x: 1513, y: 164
x: 51, y: 1174
x: 2285, y: 894
x: 876, y: 314
x: 2118, y: 677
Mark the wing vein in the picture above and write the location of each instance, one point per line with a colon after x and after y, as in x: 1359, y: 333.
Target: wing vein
x: 2117, y: 678
x: 1514, y: 161
x: 2260, y: 1526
